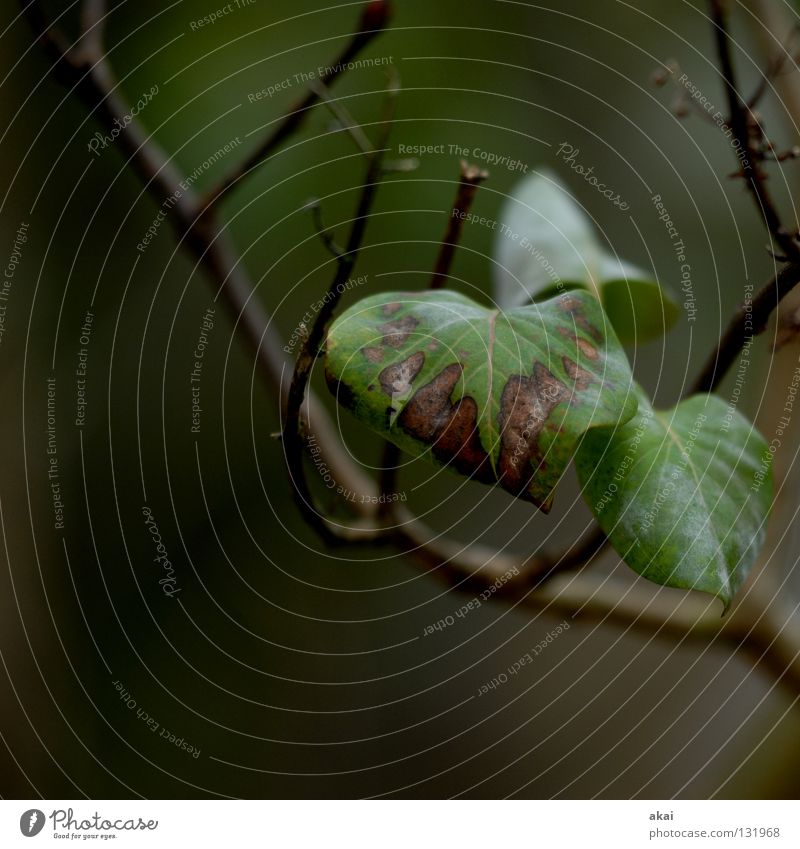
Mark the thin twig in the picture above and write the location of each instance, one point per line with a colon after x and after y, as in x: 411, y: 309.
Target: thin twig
x: 471, y: 178
x: 773, y: 71
x: 751, y: 318
x: 749, y: 321
x: 293, y: 437
x: 93, y: 26
x: 326, y: 236
x: 374, y: 19
x: 343, y: 117
x: 740, y: 118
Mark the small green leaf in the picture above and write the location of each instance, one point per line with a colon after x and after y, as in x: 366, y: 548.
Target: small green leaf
x: 502, y: 397
x: 546, y: 239
x: 683, y: 494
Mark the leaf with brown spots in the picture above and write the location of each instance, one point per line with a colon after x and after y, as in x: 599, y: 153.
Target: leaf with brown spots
x: 502, y: 397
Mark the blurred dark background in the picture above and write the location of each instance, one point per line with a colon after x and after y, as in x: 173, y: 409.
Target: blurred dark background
x: 294, y: 670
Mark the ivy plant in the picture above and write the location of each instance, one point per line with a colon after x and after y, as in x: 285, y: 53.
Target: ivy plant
x: 683, y: 494
x: 510, y: 395
x: 502, y: 396
x: 545, y: 242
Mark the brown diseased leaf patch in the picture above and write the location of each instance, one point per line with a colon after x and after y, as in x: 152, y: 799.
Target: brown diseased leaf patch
x: 390, y: 309
x: 582, y: 378
x: 525, y: 407
x: 574, y: 307
x: 397, y: 332
x: 374, y: 355
x: 450, y: 429
x: 586, y: 348
x: 396, y: 379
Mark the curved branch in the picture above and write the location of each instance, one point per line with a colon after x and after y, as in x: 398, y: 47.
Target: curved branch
x: 749, y: 321
x: 741, y: 118
x: 642, y: 606
x: 293, y: 436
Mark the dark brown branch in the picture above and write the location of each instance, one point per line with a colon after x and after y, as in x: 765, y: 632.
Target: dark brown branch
x: 374, y: 20
x: 293, y: 437
x: 471, y: 178
x: 751, y: 318
x: 740, y: 121
x: 749, y: 321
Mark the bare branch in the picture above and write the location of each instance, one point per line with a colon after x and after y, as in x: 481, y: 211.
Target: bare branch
x: 93, y: 13
x: 374, y: 20
x: 775, y: 69
x: 315, y: 209
x: 471, y: 178
x: 91, y: 78
x: 343, y: 117
x: 293, y: 436
x: 741, y: 120
x: 749, y: 321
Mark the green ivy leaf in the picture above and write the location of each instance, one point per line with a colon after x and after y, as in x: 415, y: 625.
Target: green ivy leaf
x: 545, y: 238
x: 502, y: 397
x: 683, y: 494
